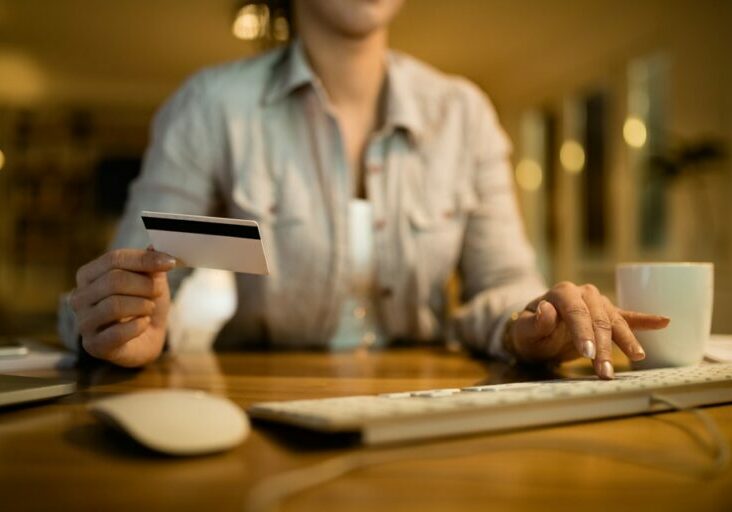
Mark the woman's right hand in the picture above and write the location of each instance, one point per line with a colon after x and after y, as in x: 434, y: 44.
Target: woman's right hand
x: 121, y: 303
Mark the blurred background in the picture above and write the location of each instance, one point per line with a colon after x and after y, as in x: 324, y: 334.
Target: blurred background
x: 620, y: 112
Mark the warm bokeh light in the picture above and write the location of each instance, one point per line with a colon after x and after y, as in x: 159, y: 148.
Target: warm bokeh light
x: 280, y: 29
x: 529, y: 175
x: 635, y: 132
x: 572, y: 156
x: 2, y: 159
x: 251, y: 22
x: 24, y: 81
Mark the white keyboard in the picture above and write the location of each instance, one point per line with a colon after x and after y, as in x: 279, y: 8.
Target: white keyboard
x: 447, y: 412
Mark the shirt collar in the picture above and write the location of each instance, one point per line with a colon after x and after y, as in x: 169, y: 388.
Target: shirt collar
x: 402, y: 107
x: 290, y: 72
x: 293, y: 71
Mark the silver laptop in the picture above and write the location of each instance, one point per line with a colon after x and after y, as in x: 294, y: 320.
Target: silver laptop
x: 15, y: 389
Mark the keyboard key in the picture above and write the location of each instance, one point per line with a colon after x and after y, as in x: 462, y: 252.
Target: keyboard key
x: 435, y: 393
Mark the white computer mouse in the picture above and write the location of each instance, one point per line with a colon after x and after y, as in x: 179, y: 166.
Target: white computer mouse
x: 176, y: 421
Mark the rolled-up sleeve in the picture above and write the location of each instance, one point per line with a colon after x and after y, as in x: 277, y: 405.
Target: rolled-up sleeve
x: 497, y: 264
x: 180, y: 165
x: 178, y: 175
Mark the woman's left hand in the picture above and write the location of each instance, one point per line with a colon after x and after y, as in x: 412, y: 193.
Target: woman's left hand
x: 570, y: 321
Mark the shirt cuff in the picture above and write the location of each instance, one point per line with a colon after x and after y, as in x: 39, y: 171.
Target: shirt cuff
x: 495, y: 342
x: 67, y: 326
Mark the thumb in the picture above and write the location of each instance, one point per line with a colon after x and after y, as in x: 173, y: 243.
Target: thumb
x: 531, y: 327
x: 162, y: 300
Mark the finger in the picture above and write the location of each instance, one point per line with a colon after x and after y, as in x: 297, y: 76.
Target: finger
x: 534, y: 304
x: 568, y: 300
x: 532, y: 333
x: 568, y: 353
x: 135, y: 260
x: 114, y: 309
x: 160, y: 283
x: 644, y: 321
x: 115, y: 282
x: 603, y: 331
x: 102, y: 344
x: 532, y: 327
x: 624, y: 337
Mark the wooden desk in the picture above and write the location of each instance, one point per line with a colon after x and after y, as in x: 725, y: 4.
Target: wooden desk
x: 57, y: 457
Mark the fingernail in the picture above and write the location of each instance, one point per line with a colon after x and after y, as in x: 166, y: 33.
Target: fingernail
x: 640, y: 353
x: 164, y: 260
x: 606, y: 370
x: 538, y: 310
x: 588, y: 349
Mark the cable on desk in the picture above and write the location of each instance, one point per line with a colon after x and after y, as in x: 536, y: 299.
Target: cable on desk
x: 268, y: 494
x: 720, y: 447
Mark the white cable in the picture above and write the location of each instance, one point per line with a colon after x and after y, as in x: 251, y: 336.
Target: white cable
x: 720, y: 446
x: 269, y: 493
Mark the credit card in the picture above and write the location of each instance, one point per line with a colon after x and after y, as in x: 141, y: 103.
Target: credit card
x: 208, y: 242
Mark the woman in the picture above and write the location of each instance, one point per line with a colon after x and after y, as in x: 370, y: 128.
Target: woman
x: 291, y: 139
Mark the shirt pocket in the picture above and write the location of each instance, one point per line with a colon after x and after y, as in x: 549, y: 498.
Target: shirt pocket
x: 439, y: 204
x: 281, y: 205
x: 273, y: 201
x: 440, y: 210
x: 438, y: 217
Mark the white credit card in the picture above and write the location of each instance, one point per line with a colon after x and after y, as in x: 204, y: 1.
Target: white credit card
x: 208, y: 242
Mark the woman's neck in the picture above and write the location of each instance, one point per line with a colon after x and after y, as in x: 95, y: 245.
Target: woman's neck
x: 351, y: 70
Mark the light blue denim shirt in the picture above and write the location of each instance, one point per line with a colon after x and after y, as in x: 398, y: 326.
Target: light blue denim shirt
x: 257, y: 139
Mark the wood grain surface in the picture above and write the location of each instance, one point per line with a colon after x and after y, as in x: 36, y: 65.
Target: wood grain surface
x: 56, y: 456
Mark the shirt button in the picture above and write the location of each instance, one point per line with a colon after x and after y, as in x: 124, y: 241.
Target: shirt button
x: 273, y: 209
x: 375, y: 167
x: 386, y: 292
x: 379, y: 224
x: 449, y: 214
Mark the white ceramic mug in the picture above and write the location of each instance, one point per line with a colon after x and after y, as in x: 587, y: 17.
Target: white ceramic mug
x: 681, y: 291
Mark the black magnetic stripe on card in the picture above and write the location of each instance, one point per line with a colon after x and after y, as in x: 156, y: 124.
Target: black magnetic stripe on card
x: 201, y: 228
